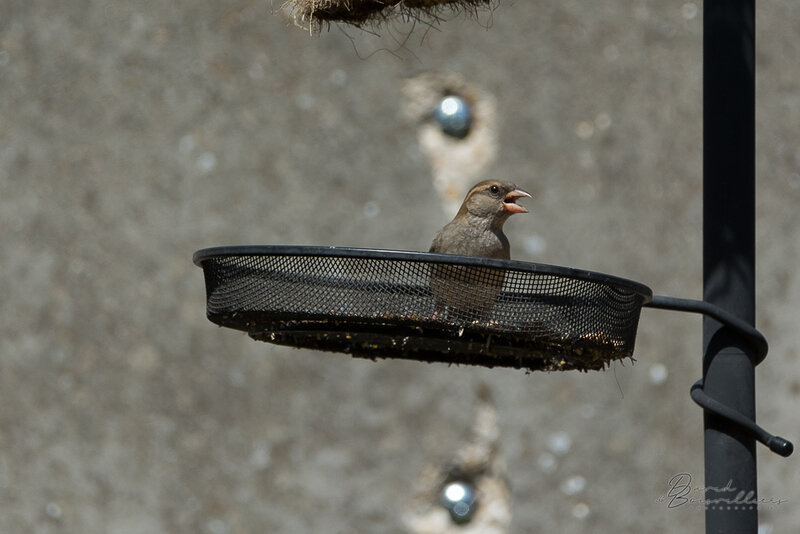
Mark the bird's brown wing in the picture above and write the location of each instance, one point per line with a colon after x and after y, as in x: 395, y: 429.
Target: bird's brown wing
x: 468, y: 293
x: 465, y: 292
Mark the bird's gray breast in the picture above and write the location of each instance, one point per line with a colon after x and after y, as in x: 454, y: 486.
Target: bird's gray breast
x: 471, y: 241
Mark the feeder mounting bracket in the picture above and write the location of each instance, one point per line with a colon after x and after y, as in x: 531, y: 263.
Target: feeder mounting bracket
x: 753, y: 337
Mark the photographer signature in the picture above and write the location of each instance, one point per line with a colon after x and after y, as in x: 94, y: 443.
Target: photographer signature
x: 681, y: 492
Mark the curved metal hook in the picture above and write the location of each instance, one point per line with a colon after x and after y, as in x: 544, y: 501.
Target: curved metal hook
x: 750, y: 334
x: 756, y: 340
x: 776, y: 444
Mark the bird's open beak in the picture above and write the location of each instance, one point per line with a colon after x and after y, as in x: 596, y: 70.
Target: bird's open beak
x: 509, y: 202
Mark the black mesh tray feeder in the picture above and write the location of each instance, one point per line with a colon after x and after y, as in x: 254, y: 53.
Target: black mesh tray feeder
x: 422, y: 306
x: 445, y: 308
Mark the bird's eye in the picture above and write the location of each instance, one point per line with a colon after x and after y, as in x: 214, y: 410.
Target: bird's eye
x: 494, y: 189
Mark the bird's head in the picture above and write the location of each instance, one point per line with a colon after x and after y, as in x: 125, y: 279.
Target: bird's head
x: 494, y: 201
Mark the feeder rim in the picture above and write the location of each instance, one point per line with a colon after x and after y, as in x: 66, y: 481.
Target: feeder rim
x: 402, y: 255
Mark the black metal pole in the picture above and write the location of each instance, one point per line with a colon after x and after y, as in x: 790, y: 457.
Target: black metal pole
x: 729, y: 258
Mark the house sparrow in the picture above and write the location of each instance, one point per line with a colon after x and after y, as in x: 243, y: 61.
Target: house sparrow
x: 476, y: 230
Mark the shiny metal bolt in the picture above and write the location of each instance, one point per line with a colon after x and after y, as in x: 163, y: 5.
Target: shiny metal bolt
x: 459, y: 499
x: 454, y: 116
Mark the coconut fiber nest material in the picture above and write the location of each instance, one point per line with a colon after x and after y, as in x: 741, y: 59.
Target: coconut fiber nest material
x: 359, y: 12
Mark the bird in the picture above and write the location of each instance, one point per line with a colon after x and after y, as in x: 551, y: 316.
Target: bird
x: 476, y: 230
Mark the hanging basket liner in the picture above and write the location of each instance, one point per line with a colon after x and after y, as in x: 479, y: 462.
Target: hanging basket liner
x: 359, y: 12
x: 422, y: 306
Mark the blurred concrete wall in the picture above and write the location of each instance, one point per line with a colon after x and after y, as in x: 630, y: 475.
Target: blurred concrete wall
x: 133, y: 133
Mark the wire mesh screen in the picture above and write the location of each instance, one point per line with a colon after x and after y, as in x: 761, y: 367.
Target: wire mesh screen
x: 429, y: 307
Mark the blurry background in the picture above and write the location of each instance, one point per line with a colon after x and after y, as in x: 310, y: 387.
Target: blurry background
x: 133, y: 133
